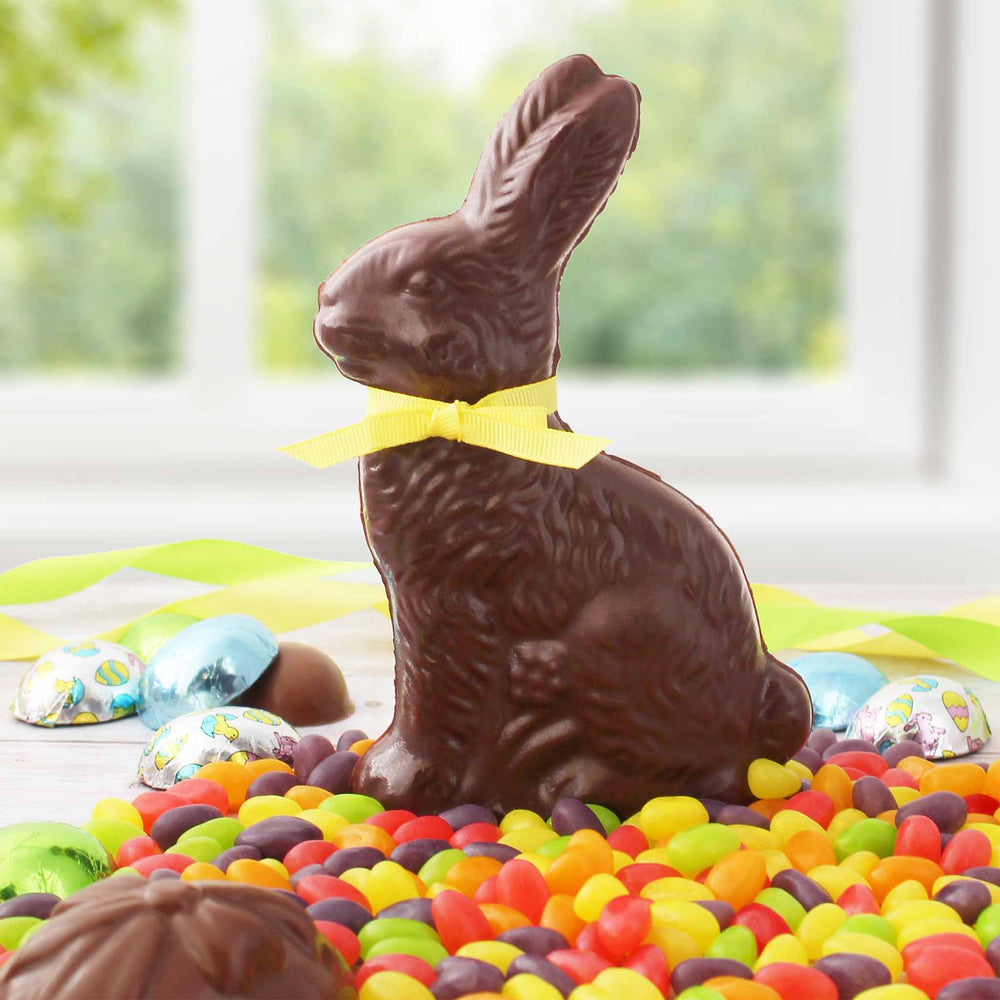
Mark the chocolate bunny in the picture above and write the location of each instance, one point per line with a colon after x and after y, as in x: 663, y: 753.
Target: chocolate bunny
x: 585, y: 633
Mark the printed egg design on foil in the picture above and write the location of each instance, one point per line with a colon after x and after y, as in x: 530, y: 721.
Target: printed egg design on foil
x: 80, y: 683
x: 182, y: 745
x: 839, y: 684
x: 942, y: 715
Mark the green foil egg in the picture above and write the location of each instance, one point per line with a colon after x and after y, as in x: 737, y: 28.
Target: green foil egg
x: 148, y: 634
x: 49, y: 857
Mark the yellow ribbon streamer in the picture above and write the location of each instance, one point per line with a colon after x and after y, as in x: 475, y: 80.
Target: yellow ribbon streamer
x: 512, y: 421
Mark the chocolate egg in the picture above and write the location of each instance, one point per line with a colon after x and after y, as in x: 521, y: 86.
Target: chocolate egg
x: 206, y: 665
x: 148, y: 634
x: 49, y: 857
x: 236, y: 733
x: 79, y: 683
x: 940, y: 714
x: 303, y: 685
x: 839, y: 684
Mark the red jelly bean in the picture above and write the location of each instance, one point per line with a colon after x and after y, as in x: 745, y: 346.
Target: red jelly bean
x: 423, y: 828
x: 316, y: 887
x: 587, y: 940
x: 391, y: 820
x: 762, y: 922
x: 175, y: 862
x: 622, y: 925
x: 934, y: 968
x: 458, y: 920
x: 858, y: 898
x: 985, y: 805
x: 475, y: 833
x: 202, y: 791
x: 935, y: 941
x: 967, y: 849
x: 581, y: 966
x: 918, y: 837
x: 342, y: 938
x: 816, y: 805
x: 309, y: 852
x: 135, y: 848
x: 896, y: 777
x: 521, y: 885
x: 797, y: 982
x: 866, y: 763
x: 151, y: 805
x: 649, y: 961
x: 409, y: 965
x: 629, y: 840
x: 487, y: 891
x: 636, y: 877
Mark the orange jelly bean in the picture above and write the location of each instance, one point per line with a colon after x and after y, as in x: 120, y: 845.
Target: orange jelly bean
x: 916, y: 766
x: 735, y: 988
x: 234, y: 778
x: 559, y: 915
x: 738, y: 877
x: 833, y: 781
x: 360, y: 747
x: 768, y: 807
x: 991, y: 786
x: 891, y: 871
x: 505, y: 918
x: 467, y: 876
x: 266, y: 764
x: 202, y: 871
x: 596, y: 846
x: 570, y: 870
x: 962, y: 779
x: 257, y: 873
x: 307, y: 796
x: 363, y: 835
x: 809, y: 849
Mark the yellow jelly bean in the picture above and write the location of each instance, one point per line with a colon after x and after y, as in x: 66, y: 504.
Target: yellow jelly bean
x: 676, y: 944
x: 853, y: 943
x: 528, y: 838
x: 820, y: 923
x: 358, y: 877
x: 497, y: 953
x: 920, y: 909
x: 595, y: 893
x: 835, y: 879
x: 540, y: 861
x: 673, y: 887
x: 527, y: 987
x: 665, y: 815
x: 393, y: 986
x: 842, y: 820
x: 120, y: 810
x: 588, y: 991
x: 518, y: 819
x: 770, y: 780
x: 329, y: 822
x: 264, y: 806
x: 626, y: 983
x: 863, y: 862
x: 753, y: 838
x: 990, y: 830
x: 202, y: 871
x: 654, y: 856
x: 688, y: 917
x: 932, y: 925
x: 800, y: 769
x: 908, y: 891
x: 995, y: 857
x: 775, y: 861
x: 782, y: 948
x: 388, y: 883
x: 275, y: 865
x: 894, y: 991
x: 903, y: 794
x: 789, y: 822
x: 622, y: 860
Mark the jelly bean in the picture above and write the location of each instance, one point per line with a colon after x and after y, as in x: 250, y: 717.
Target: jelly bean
x: 534, y: 940
x: 340, y: 911
x: 835, y: 879
x: 893, y: 870
x: 311, y: 852
x: 857, y: 899
x: 494, y: 952
x: 628, y: 839
x: 436, y: 868
x: 200, y: 790
x: 934, y: 968
x: 805, y: 774
x: 833, y: 782
x: 920, y: 837
x: 985, y: 873
x: 871, y: 796
x: 867, y: 835
x: 474, y: 833
x: 865, y: 944
x: 570, y: 815
x: 263, y: 807
x: 929, y: 928
x: 821, y: 738
x: 819, y: 924
x: 200, y: 848
x: 317, y: 887
x: 892, y: 755
x: 916, y: 910
x: 13, y: 930
x: 699, y: 847
x: 169, y: 825
x: 343, y: 939
x: 849, y: 746
x: 626, y: 983
x: 263, y: 765
x: 466, y: 876
x: 664, y: 816
x: 844, y: 819
x: 967, y: 849
x: 390, y: 820
x: 571, y: 870
x: 966, y: 897
x: 961, y: 779
x: 762, y: 921
x: 870, y: 923
x: 391, y: 985
x: 29, y: 904
x: 975, y: 988
x: 860, y: 760
x: 223, y: 830
x: 743, y: 816
x: 738, y: 878
x: 135, y: 848
x: 580, y: 966
x: 810, y: 758
x: 769, y: 780
x: 393, y: 928
x: 151, y: 805
x: 389, y: 883
x: 894, y: 991
x: 272, y: 783
x: 528, y: 839
x: 720, y: 909
x: 458, y: 920
x: 897, y: 778
x: 797, y: 982
x: 676, y: 888
x: 333, y: 772
x: 809, y: 849
x: 256, y: 873
x: 202, y: 871
x: 783, y: 903
x: 525, y: 986
x: 275, y: 836
x: 119, y: 810
x: 233, y: 777
x: 622, y: 925
x: 423, y: 828
x: 946, y: 809
x: 803, y: 889
x: 783, y: 949
x: 932, y: 942
x: 853, y: 974
x: 354, y: 808
x: 349, y: 737
x: 225, y: 858
x: 736, y: 943
x: 558, y: 915
x: 414, y: 854
x: 692, y: 919
x: 410, y: 909
x: 988, y: 924
x: 308, y: 752
x: 536, y: 965
x: 732, y: 988
x: 815, y: 804
x: 902, y: 795
x: 329, y: 824
x: 409, y: 965
x: 518, y: 819
x: 485, y: 849
x: 909, y: 890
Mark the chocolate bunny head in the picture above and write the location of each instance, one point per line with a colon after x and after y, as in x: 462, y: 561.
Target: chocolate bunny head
x: 460, y: 306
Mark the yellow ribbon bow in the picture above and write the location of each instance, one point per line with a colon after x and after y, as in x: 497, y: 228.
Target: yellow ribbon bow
x: 512, y: 421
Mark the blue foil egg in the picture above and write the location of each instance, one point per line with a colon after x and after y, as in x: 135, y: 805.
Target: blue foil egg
x: 839, y: 684
x: 206, y: 665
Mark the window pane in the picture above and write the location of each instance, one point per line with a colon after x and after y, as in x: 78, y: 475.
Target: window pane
x: 720, y: 250
x: 90, y: 275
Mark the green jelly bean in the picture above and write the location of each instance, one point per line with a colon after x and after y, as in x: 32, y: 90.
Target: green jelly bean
x: 700, y: 993
x: 609, y: 820
x: 553, y: 848
x: 784, y: 904
x: 126, y: 871
x: 699, y: 847
x: 197, y: 848
x: 866, y: 835
x: 13, y: 930
x: 112, y: 833
x: 437, y: 867
x: 988, y: 924
x: 430, y: 951
x: 354, y: 808
x: 223, y: 830
x: 870, y: 923
x: 734, y: 942
x: 385, y: 928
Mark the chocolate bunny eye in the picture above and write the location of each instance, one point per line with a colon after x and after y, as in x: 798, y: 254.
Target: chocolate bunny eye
x: 422, y: 284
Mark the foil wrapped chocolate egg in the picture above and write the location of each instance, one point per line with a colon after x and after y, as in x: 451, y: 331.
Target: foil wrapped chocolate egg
x: 839, y: 684
x: 205, y: 665
x: 940, y: 714
x: 49, y: 857
x: 79, y: 683
x: 235, y: 733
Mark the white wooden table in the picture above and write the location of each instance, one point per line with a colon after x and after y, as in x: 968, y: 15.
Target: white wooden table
x: 58, y: 774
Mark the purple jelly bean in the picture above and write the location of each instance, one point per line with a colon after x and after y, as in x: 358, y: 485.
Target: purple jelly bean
x: 849, y: 746
x: 820, y: 739
x: 947, y: 810
x: 694, y: 971
x: 466, y: 815
x: 892, y: 755
x: 334, y: 772
x: 536, y: 965
x: 296, y: 877
x: 275, y: 836
x: 487, y: 849
x: 244, y: 852
x: 414, y: 854
x: 871, y: 796
x: 163, y: 873
x: 171, y: 824
x: 458, y: 976
x: 713, y: 807
x: 570, y: 815
x: 810, y: 758
x: 29, y: 904
x: 720, y: 909
x: 417, y: 908
x: 352, y: 857
x: 272, y: 783
x: 295, y: 897
x: 973, y: 988
x: 803, y: 888
x: 992, y: 954
x: 534, y: 940
x: 349, y: 737
x: 742, y: 815
x: 985, y: 873
x: 345, y: 912
x: 853, y: 974
x: 967, y: 898
x: 309, y: 751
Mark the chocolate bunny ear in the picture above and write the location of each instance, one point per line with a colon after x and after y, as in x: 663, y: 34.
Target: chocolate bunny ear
x: 552, y: 162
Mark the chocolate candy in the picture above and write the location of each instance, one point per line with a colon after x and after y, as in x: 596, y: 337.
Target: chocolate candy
x: 49, y: 858
x: 839, y: 684
x: 559, y: 633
